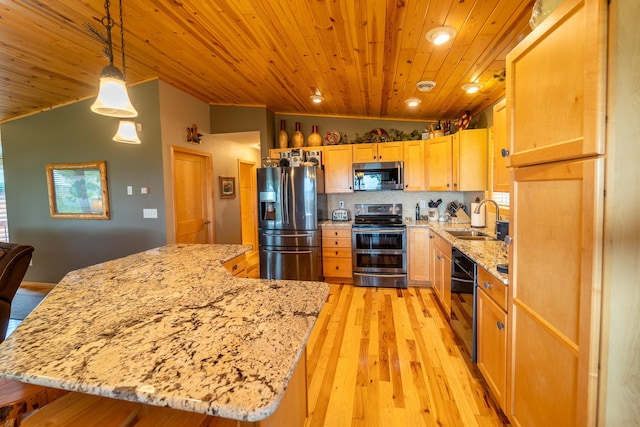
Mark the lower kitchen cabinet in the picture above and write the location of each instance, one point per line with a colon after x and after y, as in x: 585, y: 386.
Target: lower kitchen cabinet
x: 418, y: 255
x: 492, y: 334
x: 337, y: 255
x: 237, y: 266
x: 440, y: 269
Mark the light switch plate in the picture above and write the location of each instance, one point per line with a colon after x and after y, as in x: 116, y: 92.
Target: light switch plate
x: 150, y: 213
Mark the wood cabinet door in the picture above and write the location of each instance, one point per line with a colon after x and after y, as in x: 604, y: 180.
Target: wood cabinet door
x: 363, y: 153
x: 469, y: 160
x: 418, y: 254
x: 441, y: 270
x: 338, y: 176
x: 492, y: 345
x: 390, y: 151
x: 415, y: 172
x: 439, y: 164
x: 501, y: 177
x: 556, y: 86
x: 555, y: 279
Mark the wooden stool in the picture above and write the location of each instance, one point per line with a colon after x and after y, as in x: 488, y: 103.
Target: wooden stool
x: 17, y: 399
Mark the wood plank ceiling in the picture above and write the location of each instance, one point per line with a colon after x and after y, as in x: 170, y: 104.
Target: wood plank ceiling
x: 364, y: 56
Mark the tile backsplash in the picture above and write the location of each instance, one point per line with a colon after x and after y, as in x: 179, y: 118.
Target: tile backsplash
x: 408, y: 199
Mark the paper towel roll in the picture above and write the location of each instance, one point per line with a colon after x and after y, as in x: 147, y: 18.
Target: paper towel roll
x: 478, y: 219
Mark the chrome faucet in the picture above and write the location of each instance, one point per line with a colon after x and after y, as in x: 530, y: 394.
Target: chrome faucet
x: 477, y: 211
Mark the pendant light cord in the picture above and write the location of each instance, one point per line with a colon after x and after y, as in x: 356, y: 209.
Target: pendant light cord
x: 107, y: 22
x: 124, y: 68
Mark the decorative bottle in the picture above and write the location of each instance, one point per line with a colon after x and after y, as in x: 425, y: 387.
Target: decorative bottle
x: 283, y: 137
x: 314, y: 139
x: 417, y: 211
x: 297, y: 140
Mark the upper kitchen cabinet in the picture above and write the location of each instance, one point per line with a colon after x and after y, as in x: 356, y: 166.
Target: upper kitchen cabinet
x: 500, y: 148
x: 378, y: 152
x: 439, y: 163
x: 458, y: 162
x: 415, y: 171
x: 556, y: 87
x: 338, y: 173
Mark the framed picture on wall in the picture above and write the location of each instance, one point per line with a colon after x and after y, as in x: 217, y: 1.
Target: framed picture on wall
x: 227, y: 187
x: 78, y: 190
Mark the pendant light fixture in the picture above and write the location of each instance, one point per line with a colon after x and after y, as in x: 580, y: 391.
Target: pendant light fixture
x: 127, y: 133
x: 113, y: 99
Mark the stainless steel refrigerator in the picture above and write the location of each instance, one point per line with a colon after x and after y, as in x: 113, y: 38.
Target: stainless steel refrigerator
x: 290, y: 203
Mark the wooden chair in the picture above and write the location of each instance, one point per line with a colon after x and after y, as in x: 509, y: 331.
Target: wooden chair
x: 16, y: 398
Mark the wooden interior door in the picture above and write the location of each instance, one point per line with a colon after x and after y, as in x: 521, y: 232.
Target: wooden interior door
x: 192, y: 195
x: 248, y: 203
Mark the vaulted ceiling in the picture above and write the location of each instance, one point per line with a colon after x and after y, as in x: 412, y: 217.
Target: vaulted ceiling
x: 364, y: 56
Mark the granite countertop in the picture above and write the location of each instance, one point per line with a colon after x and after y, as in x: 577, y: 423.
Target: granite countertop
x: 335, y: 224
x: 170, y: 327
x: 487, y: 254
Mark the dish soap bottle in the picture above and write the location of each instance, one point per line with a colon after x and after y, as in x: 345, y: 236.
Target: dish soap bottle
x: 417, y: 211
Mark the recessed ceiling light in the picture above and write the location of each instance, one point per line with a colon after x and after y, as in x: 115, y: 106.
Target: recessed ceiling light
x: 471, y: 87
x: 413, y: 102
x: 317, y: 98
x: 440, y: 35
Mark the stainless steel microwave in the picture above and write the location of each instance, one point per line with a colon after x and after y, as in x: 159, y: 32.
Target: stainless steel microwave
x: 378, y: 176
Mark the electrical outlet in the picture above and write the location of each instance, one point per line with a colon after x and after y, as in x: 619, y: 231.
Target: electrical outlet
x: 341, y: 204
x: 129, y: 190
x: 423, y: 204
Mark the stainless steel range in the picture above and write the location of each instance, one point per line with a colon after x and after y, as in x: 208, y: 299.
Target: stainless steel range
x: 379, y: 241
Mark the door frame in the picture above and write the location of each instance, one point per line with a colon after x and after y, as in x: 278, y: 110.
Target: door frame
x: 254, y: 194
x: 208, y: 180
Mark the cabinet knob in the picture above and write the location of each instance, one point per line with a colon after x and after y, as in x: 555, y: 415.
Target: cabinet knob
x: 337, y: 268
x: 336, y: 252
x: 448, y: 185
x: 336, y: 242
x: 235, y: 267
x: 336, y: 233
x: 487, y: 285
x: 504, y: 152
x: 500, y: 325
x: 455, y: 184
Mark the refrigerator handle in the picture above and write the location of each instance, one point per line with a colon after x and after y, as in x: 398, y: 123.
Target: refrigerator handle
x: 282, y: 211
x: 285, y: 197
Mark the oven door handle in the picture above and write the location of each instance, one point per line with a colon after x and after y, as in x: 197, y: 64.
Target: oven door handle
x: 378, y: 230
x: 287, y: 252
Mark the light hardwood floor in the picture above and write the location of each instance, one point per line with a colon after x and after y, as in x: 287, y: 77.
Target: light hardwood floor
x: 387, y: 357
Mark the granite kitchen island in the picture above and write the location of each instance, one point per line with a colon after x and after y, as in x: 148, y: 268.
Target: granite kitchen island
x: 169, y: 327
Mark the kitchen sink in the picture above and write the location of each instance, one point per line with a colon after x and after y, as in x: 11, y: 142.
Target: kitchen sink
x: 470, y: 235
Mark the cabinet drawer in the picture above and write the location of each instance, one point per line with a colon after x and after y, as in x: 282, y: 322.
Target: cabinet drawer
x: 337, y: 267
x: 336, y: 233
x: 493, y: 287
x: 337, y: 252
x: 237, y: 265
x: 337, y: 242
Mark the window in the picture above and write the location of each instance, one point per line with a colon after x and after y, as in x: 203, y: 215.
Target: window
x: 501, y: 198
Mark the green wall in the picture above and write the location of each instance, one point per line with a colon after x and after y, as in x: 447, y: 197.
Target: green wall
x: 71, y: 134
x: 229, y: 119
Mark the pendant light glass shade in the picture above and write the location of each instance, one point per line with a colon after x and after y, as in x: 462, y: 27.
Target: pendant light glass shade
x: 127, y: 133
x: 113, y: 98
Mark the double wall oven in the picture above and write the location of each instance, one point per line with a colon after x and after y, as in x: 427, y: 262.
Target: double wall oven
x: 379, y: 242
